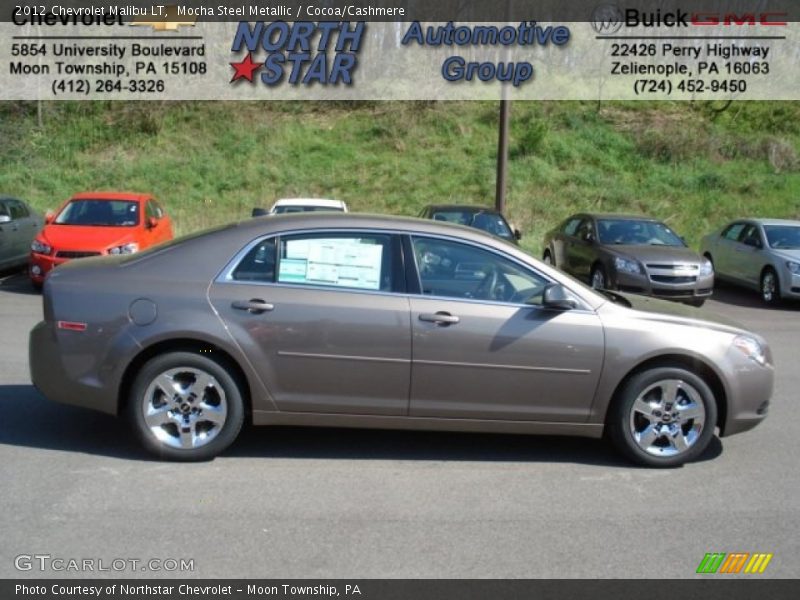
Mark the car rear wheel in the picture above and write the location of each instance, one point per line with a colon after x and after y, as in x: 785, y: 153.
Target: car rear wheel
x: 663, y: 417
x: 599, y: 280
x: 186, y: 407
x: 770, y: 287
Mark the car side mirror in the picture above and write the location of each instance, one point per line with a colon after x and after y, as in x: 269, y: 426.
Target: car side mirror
x: 152, y: 222
x: 752, y: 242
x: 49, y: 216
x: 556, y: 296
x: 588, y: 237
x: 259, y: 212
x: 5, y: 219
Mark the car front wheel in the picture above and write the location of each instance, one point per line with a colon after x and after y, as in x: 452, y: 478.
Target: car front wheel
x: 770, y: 287
x: 599, y: 280
x: 663, y: 417
x: 184, y: 406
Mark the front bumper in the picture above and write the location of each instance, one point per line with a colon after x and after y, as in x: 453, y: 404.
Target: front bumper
x: 790, y: 285
x: 685, y: 288
x: 748, y: 394
x: 40, y: 265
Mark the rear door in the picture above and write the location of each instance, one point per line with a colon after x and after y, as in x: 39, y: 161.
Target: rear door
x: 483, y: 346
x: 725, y: 254
x: 323, y: 319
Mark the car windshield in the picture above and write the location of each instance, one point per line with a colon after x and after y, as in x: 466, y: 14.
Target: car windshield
x: 100, y: 213
x: 629, y: 232
x: 490, y: 222
x: 280, y: 210
x: 783, y: 237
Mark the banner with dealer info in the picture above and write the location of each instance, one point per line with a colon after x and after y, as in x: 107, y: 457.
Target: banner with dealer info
x: 200, y: 52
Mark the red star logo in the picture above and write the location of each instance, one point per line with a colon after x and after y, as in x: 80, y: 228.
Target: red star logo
x: 245, y: 68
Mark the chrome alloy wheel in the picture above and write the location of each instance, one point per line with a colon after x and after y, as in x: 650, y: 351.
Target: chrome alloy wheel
x: 769, y: 286
x: 598, y: 279
x: 185, y: 408
x: 667, y: 418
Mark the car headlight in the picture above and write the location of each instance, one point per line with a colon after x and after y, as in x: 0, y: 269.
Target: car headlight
x: 751, y: 348
x: 794, y: 267
x: 40, y: 247
x: 627, y: 265
x: 124, y: 249
x: 706, y: 268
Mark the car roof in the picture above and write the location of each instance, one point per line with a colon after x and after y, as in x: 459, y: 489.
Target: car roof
x: 620, y: 216
x: 461, y: 207
x: 770, y: 221
x: 135, y: 196
x: 309, y: 202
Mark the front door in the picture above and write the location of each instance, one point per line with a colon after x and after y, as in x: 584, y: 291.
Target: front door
x: 484, y: 348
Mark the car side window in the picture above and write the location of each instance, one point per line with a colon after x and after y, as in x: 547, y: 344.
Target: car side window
x: 584, y: 229
x: 351, y: 260
x: 4, y: 210
x: 455, y: 270
x: 733, y: 231
x: 750, y: 236
x: 17, y: 210
x: 152, y: 209
x: 571, y: 227
x: 258, y: 265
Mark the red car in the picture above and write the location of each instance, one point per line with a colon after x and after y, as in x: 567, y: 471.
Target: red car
x: 97, y: 223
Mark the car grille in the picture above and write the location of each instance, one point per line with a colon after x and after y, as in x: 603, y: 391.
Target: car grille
x: 675, y: 274
x: 75, y: 253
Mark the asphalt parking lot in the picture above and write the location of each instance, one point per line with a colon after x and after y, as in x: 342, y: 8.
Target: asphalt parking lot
x: 368, y: 504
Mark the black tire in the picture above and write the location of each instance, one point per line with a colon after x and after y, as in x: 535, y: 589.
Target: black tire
x: 217, y: 412
x: 770, y: 287
x: 598, y: 271
x: 624, y: 421
x: 696, y: 302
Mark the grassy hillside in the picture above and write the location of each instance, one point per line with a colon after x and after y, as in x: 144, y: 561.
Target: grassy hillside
x: 211, y: 162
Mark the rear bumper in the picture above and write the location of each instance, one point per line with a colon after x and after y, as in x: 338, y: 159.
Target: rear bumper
x: 62, y: 376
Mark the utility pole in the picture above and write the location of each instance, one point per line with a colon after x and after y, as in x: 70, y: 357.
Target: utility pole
x: 502, y: 157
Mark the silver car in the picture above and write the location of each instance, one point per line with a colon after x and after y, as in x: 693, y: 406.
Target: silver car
x: 761, y: 254
x: 365, y: 321
x: 19, y: 224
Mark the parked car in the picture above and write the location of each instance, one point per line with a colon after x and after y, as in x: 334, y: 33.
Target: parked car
x: 479, y: 217
x: 294, y: 205
x: 19, y: 224
x: 387, y: 322
x: 761, y: 254
x: 97, y: 223
x: 630, y: 253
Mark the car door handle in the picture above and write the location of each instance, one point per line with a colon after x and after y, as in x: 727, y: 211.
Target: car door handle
x: 440, y: 318
x: 256, y: 306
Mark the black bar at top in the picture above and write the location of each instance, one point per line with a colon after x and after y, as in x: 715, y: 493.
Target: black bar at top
x: 549, y: 11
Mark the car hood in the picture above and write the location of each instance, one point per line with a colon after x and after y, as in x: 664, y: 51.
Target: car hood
x: 657, y: 254
x: 78, y: 237
x: 665, y: 310
x: 793, y: 254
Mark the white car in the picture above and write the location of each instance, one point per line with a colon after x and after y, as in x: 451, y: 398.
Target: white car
x: 294, y: 205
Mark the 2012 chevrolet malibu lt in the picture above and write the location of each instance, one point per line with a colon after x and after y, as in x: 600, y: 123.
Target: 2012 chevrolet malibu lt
x: 362, y: 321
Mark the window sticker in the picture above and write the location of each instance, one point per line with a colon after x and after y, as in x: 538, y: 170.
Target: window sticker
x: 336, y: 262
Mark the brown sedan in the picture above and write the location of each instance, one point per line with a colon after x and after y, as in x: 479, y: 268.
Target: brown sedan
x: 361, y: 321
x: 630, y: 253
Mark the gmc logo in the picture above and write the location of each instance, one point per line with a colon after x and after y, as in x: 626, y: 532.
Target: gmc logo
x: 718, y: 18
